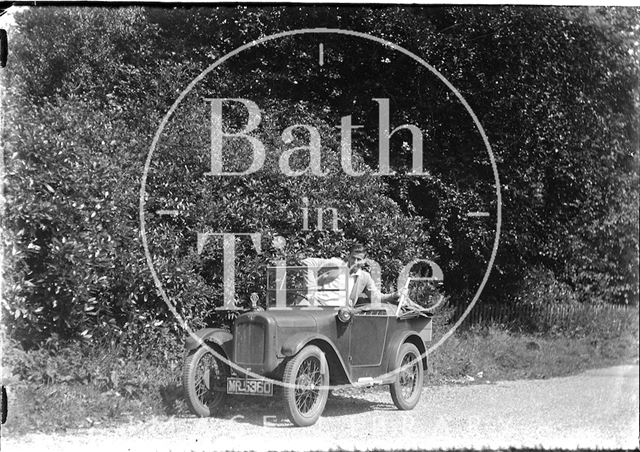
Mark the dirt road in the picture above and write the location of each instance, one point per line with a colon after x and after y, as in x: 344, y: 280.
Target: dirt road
x: 598, y: 408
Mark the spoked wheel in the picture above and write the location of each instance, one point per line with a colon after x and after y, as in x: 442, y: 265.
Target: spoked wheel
x: 308, y: 372
x: 201, y: 371
x: 405, y: 391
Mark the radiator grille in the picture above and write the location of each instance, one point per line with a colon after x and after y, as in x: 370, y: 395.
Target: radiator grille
x: 249, y: 343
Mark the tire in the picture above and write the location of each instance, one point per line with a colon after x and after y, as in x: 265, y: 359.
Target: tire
x: 308, y: 368
x: 406, y: 390
x: 199, y: 368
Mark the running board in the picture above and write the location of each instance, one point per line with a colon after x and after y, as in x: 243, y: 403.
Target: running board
x: 367, y: 381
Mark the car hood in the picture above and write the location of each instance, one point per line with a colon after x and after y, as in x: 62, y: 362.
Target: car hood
x: 298, y: 318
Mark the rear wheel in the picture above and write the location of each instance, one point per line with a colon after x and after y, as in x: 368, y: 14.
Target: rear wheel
x: 304, y: 376
x: 405, y: 391
x: 202, y: 370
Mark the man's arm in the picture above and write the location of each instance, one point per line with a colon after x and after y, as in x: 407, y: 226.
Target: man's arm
x: 374, y: 294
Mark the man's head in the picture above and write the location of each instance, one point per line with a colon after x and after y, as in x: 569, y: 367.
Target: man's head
x: 357, y: 256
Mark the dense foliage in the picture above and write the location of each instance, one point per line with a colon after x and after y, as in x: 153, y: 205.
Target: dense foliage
x: 556, y: 90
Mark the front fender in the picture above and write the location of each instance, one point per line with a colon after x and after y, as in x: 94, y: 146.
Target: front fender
x: 218, y: 336
x: 295, y: 343
x: 337, y: 368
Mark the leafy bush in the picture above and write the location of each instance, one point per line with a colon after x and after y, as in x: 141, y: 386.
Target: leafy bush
x: 79, y: 125
x: 539, y: 292
x: 124, y: 366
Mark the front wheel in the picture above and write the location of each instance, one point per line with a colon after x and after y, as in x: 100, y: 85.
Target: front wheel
x: 306, y: 381
x: 202, y: 371
x: 405, y: 391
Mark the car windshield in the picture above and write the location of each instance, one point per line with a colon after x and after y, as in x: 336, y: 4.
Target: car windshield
x: 301, y: 286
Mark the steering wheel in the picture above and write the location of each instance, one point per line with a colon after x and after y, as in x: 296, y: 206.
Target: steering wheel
x: 302, y: 298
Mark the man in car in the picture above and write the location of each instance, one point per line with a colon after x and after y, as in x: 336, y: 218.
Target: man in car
x: 335, y: 282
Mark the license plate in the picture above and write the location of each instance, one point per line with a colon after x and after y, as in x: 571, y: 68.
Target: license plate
x: 249, y: 386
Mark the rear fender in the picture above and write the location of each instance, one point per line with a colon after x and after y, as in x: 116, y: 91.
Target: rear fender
x: 337, y: 369
x: 396, y: 342
x: 218, y: 336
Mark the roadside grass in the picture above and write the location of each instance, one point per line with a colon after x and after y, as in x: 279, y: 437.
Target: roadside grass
x: 493, y: 353
x: 81, y: 387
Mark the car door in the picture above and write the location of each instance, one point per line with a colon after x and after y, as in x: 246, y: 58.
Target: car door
x: 368, y: 336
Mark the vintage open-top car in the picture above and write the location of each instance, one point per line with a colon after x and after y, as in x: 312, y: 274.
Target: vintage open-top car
x: 308, y: 349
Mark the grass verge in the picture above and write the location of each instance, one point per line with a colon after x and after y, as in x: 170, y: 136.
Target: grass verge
x: 494, y: 353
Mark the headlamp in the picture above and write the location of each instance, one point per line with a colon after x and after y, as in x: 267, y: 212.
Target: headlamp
x: 345, y: 314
